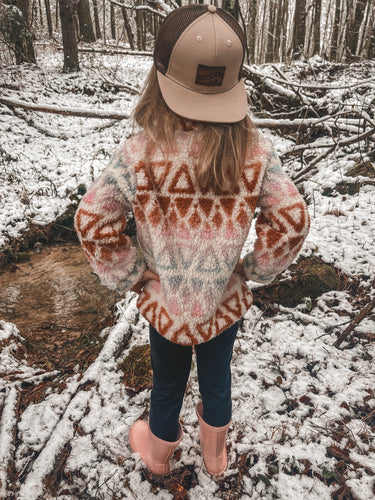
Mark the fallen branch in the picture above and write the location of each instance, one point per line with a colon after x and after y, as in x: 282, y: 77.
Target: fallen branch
x: 145, y: 8
x: 60, y: 110
x: 7, y: 429
x: 307, y: 86
x: 365, y: 311
x: 39, y: 128
x: 110, y: 51
x: 75, y: 408
x: 332, y: 146
x: 352, y: 126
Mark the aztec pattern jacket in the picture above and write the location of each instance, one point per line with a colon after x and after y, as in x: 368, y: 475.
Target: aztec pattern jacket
x: 190, y: 238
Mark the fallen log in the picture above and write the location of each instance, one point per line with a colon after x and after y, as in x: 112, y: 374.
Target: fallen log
x: 113, y: 50
x: 295, y: 124
x: 248, y: 70
x: 61, y: 110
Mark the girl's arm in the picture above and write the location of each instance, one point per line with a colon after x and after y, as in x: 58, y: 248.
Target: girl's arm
x: 281, y: 226
x: 99, y: 222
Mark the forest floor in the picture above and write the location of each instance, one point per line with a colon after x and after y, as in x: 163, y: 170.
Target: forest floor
x: 303, y: 409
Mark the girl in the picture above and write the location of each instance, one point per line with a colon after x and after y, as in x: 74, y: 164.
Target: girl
x: 192, y: 178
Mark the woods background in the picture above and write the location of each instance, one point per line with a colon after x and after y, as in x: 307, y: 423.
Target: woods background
x: 276, y: 30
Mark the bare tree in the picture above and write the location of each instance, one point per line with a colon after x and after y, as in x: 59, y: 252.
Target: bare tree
x: 85, y: 23
x: 49, y: 17
x: 252, y: 14
x: 356, y: 11
x: 128, y: 28
x: 317, y: 10
x: 335, y: 31
x: 67, y: 10
x: 112, y: 21
x: 233, y: 7
x: 15, y: 30
x: 299, y: 28
x: 96, y: 19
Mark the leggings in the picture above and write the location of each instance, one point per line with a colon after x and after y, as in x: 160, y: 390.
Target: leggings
x: 171, y: 365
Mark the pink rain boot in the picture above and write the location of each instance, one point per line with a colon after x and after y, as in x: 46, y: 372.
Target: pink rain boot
x: 155, y: 452
x: 213, y: 443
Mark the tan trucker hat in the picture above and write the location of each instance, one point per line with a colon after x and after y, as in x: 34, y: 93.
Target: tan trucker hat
x: 198, y: 55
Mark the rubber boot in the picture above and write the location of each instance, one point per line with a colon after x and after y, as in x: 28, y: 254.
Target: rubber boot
x: 155, y: 452
x: 213, y: 444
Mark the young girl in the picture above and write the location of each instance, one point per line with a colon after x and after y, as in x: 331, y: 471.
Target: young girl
x: 192, y: 178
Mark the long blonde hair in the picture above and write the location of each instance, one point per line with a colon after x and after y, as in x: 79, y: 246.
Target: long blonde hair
x: 223, y: 147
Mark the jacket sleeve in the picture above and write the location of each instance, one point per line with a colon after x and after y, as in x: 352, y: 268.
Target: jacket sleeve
x: 281, y: 227
x: 100, y: 220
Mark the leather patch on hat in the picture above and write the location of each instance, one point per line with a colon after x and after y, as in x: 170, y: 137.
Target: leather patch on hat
x: 211, y: 76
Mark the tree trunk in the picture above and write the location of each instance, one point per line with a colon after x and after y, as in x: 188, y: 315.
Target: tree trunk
x: 57, y: 13
x: 103, y: 24
x: 68, y: 31
x: 85, y: 24
x: 139, y: 21
x: 251, y: 29
x: 113, y: 23
x: 368, y: 50
x: 232, y: 6
x: 334, y: 40
x: 128, y: 29
x: 270, y: 57
x: 299, y: 29
x: 355, y: 20
x: 49, y: 17
x: 18, y: 36
x: 96, y: 19
x: 316, y: 21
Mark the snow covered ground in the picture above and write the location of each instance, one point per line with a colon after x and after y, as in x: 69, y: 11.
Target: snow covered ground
x: 303, y: 410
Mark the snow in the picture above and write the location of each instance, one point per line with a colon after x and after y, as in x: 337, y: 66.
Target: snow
x: 294, y: 394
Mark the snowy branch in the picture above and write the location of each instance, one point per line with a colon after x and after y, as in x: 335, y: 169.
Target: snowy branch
x: 251, y: 71
x: 145, y: 8
x: 61, y: 110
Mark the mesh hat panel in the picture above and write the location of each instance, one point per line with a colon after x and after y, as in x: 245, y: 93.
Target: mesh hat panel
x: 170, y: 31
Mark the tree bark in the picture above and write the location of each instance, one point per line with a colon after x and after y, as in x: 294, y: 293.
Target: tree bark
x: 85, y: 24
x: 270, y: 31
x: 128, y: 29
x: 71, y: 63
x: 355, y: 19
x: 96, y: 19
x: 232, y: 6
x: 299, y: 29
x: 369, y: 41
x: 335, y: 32
x: 316, y: 21
x: 251, y: 29
x: 49, y: 17
x: 16, y: 31
x: 113, y: 23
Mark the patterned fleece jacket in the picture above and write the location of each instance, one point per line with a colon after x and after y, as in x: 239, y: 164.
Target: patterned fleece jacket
x: 190, y: 237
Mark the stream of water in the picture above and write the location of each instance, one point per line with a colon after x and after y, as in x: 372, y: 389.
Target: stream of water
x: 56, y: 287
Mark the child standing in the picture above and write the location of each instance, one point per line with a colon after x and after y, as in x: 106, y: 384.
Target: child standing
x: 192, y: 178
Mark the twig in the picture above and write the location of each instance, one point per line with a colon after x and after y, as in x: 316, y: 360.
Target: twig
x: 370, y: 306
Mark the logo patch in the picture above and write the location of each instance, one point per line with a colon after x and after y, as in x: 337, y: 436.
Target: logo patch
x: 211, y: 76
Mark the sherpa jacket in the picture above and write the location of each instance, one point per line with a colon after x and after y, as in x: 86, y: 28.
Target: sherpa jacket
x: 191, y: 238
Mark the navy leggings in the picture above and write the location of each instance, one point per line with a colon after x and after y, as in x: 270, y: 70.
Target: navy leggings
x: 171, y: 367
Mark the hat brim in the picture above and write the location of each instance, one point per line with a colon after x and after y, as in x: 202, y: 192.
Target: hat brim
x: 225, y: 107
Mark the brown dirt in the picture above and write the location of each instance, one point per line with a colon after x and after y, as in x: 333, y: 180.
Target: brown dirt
x: 59, y: 306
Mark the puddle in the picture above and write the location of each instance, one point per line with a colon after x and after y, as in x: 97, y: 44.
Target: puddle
x: 56, y: 288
